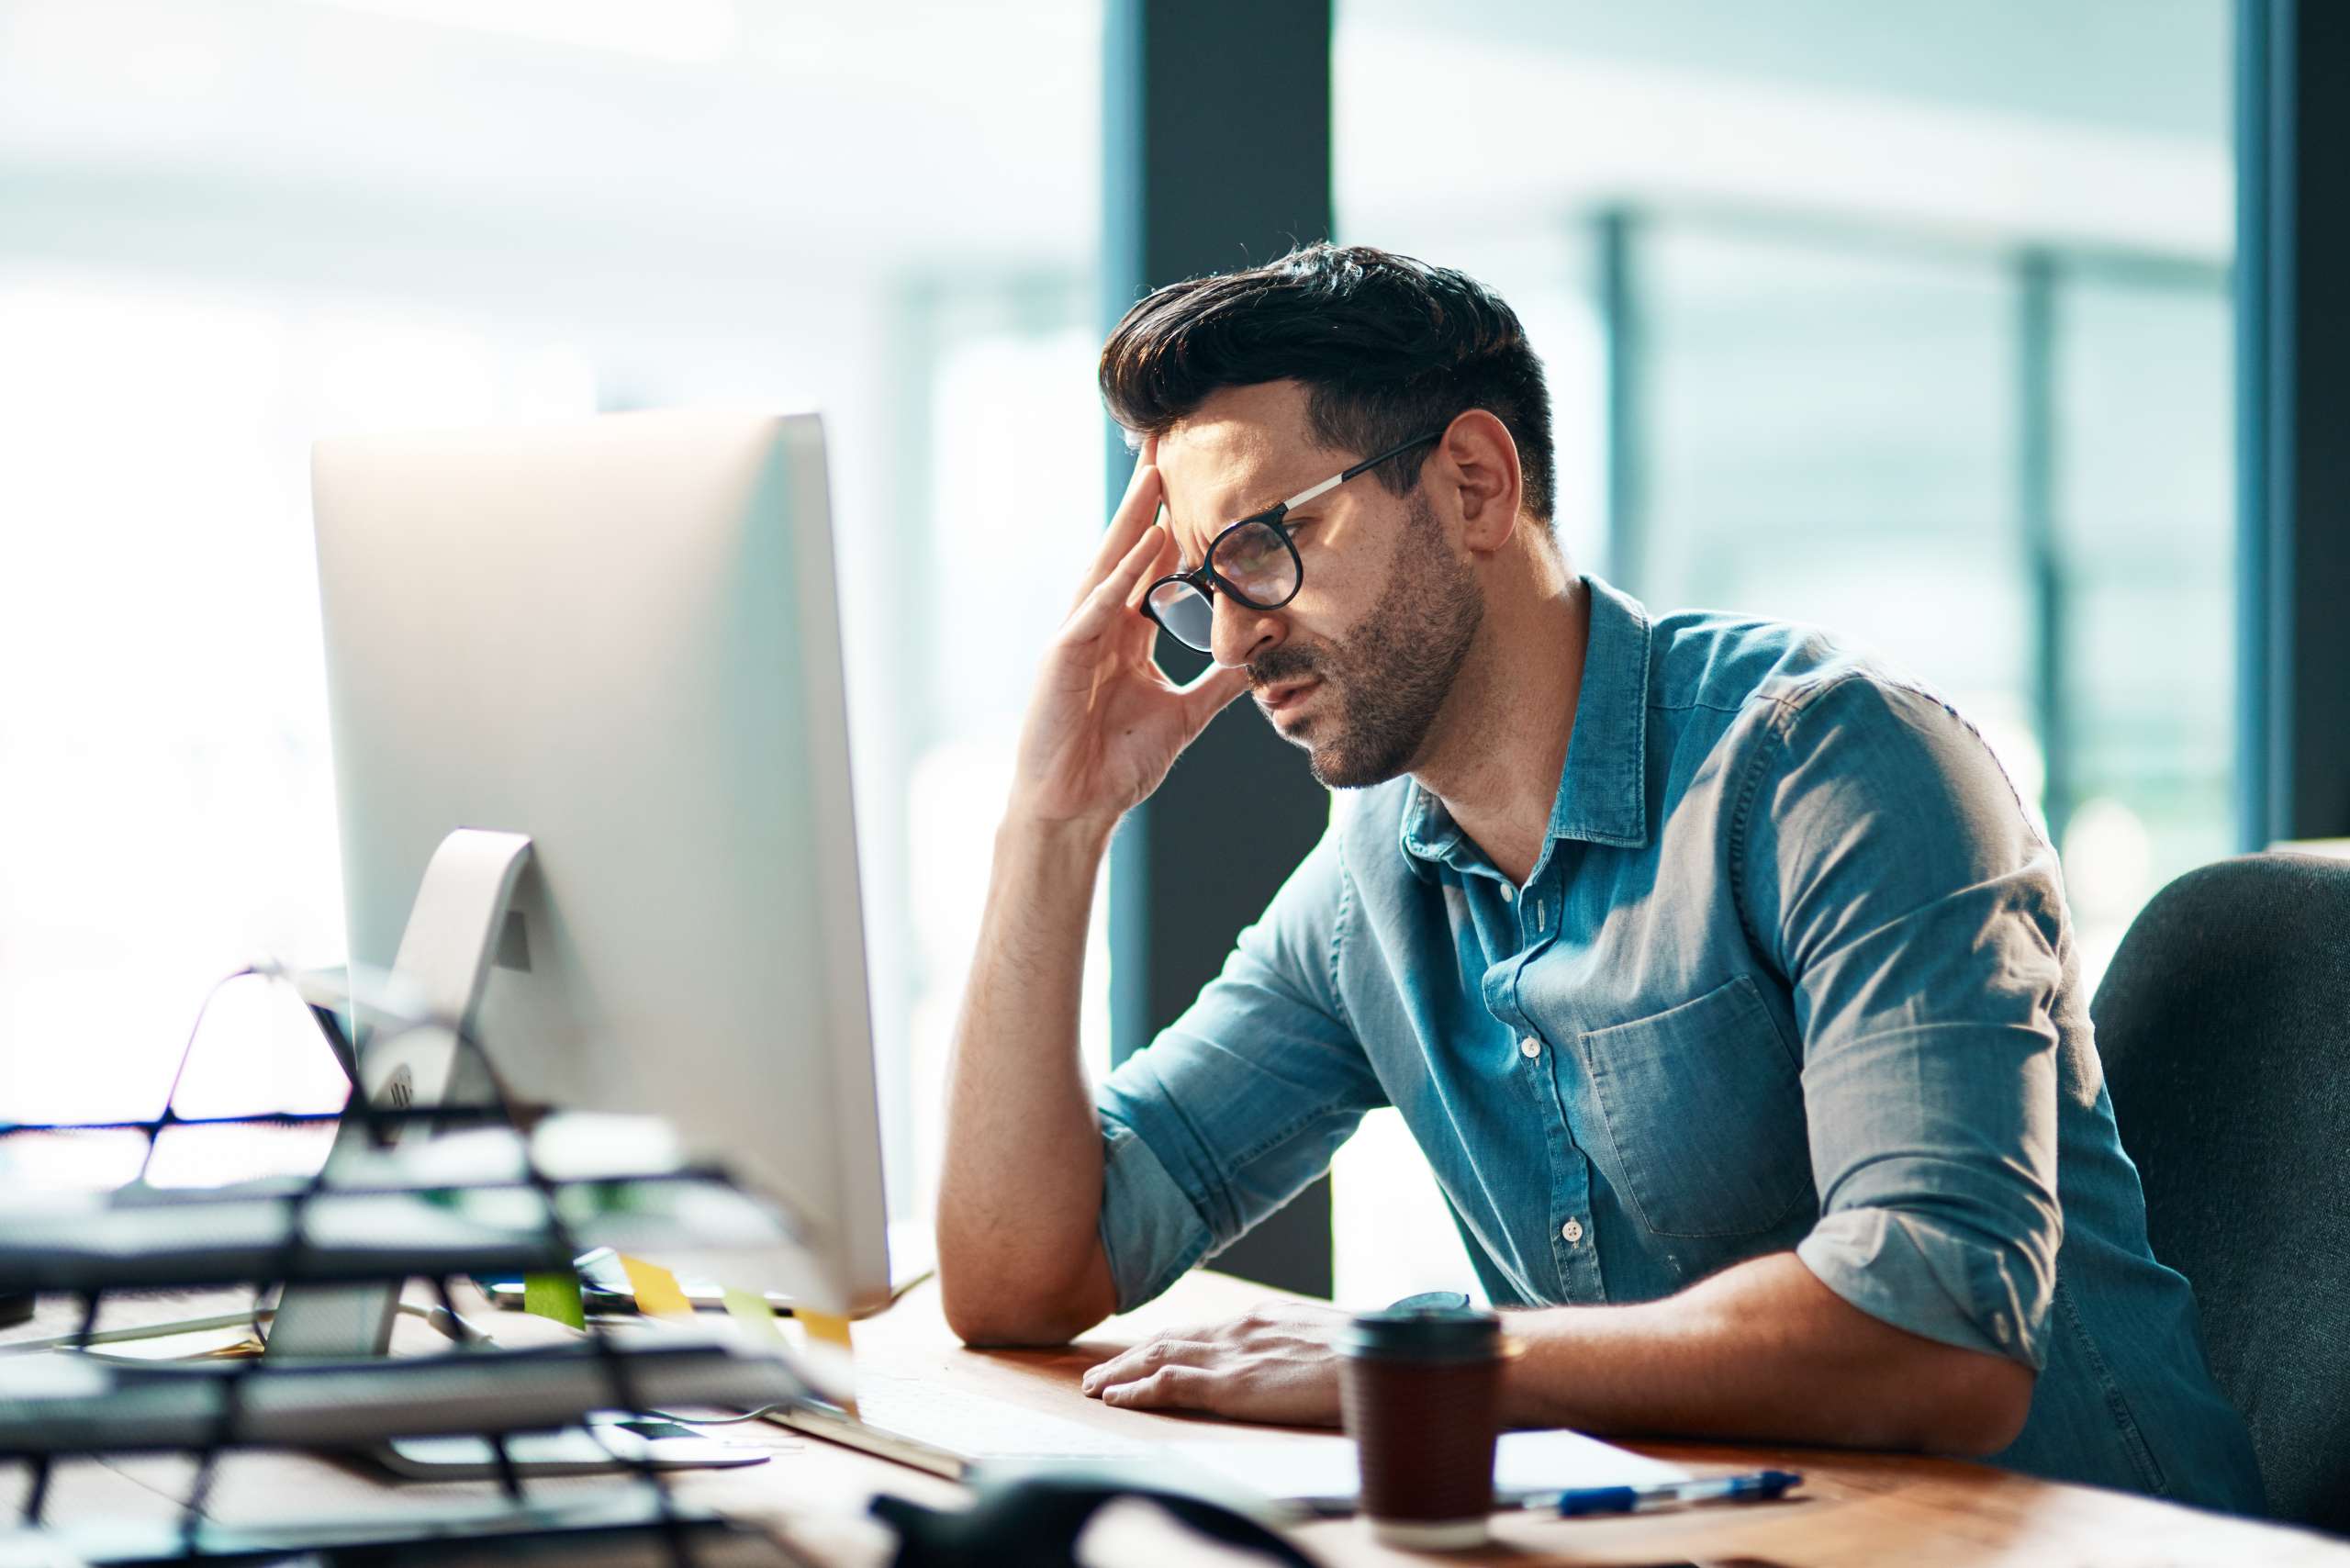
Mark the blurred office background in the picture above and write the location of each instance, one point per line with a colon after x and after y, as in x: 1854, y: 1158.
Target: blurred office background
x: 1912, y: 321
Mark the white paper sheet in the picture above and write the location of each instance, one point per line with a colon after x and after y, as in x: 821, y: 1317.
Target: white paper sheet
x: 1322, y: 1469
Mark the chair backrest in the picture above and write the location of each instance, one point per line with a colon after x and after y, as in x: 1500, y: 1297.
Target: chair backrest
x: 2225, y: 1025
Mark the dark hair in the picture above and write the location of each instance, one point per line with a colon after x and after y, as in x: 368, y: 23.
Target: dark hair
x: 1388, y: 348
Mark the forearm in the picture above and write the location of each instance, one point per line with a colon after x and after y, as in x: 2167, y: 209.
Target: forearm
x: 1763, y: 1351
x: 1019, y: 1253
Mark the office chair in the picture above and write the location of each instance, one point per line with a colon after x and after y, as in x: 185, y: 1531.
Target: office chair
x: 2224, y: 1022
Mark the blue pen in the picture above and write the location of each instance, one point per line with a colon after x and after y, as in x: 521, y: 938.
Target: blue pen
x: 1761, y: 1486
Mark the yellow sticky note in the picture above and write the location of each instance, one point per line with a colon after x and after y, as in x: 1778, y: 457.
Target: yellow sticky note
x: 824, y: 1327
x: 750, y: 1309
x: 831, y: 1332
x: 657, y: 1291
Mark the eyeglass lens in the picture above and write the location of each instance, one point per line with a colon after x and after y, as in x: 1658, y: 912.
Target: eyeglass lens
x: 1252, y: 557
x: 1258, y: 561
x: 1184, y: 610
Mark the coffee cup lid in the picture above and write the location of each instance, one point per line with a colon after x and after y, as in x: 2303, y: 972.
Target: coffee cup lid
x: 1424, y: 1334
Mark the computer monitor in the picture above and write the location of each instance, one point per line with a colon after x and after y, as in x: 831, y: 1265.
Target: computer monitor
x: 619, y: 636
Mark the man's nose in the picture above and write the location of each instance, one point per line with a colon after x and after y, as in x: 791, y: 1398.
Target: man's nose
x: 1238, y: 634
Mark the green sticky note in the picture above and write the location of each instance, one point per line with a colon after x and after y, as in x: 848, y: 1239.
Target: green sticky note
x: 555, y: 1295
x: 750, y: 1310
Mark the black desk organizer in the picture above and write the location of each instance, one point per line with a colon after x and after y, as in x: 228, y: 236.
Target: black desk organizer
x: 387, y: 1229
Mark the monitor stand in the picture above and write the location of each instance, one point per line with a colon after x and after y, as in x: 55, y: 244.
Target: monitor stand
x: 454, y: 933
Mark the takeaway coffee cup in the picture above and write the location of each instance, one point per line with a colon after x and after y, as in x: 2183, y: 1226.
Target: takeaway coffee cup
x: 1421, y: 1393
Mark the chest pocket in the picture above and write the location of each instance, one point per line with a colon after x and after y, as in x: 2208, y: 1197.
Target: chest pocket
x: 1705, y: 1106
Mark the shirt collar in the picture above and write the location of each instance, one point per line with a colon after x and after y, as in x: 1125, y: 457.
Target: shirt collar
x: 1602, y: 793
x: 1429, y: 833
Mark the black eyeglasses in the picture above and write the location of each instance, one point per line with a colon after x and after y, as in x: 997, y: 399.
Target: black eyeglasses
x: 1254, y: 560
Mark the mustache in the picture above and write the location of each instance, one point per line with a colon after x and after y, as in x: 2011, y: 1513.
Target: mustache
x: 1280, y: 665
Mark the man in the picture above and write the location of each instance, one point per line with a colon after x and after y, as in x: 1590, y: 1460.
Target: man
x: 1719, y: 974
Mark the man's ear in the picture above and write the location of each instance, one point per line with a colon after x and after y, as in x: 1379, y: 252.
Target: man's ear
x: 1477, y: 458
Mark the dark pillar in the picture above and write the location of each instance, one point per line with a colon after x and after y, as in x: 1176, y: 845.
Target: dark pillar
x: 2293, y: 387
x: 1215, y: 155
x: 2037, y: 282
x: 1614, y: 239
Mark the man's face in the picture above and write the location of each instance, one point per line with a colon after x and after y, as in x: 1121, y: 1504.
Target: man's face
x: 1357, y: 667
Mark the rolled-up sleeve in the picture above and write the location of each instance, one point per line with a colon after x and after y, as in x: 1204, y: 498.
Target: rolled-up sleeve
x: 1241, y: 1102
x: 1892, y: 873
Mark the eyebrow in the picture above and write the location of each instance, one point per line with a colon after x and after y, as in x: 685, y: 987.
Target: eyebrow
x: 1215, y: 532
x: 1249, y: 513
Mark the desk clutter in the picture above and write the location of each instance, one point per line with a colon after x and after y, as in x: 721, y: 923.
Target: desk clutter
x: 327, y: 1256
x: 561, y: 1209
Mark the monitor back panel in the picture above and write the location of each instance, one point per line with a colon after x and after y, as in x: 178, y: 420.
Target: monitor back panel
x: 620, y: 637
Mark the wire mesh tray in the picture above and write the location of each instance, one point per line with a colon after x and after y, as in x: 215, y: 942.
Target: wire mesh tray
x: 63, y: 1404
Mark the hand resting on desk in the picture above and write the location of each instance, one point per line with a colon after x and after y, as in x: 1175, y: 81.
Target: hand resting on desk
x: 1762, y: 1351
x: 1278, y: 1364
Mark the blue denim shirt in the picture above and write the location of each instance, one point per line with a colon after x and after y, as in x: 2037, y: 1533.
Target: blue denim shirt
x: 1794, y: 970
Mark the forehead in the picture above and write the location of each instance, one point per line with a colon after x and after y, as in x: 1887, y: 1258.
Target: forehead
x: 1242, y: 450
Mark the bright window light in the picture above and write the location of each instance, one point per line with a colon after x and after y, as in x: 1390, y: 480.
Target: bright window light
x: 166, y: 788
x: 688, y: 32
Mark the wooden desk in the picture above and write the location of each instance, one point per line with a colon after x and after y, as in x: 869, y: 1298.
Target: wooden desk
x: 1867, y: 1510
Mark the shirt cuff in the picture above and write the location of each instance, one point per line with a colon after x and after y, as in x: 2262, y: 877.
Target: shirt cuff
x: 1909, y: 1272
x: 1151, y: 1232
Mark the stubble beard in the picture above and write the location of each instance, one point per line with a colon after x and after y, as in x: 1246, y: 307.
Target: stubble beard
x: 1388, y: 679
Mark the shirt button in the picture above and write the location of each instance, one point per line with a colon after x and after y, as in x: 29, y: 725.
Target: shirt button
x: 1572, y: 1231
x: 1508, y: 893
x: 1530, y: 1047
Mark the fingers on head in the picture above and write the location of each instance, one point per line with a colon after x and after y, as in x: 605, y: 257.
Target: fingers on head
x: 1141, y: 502
x: 1116, y: 588
x: 1144, y: 496
x: 1148, y: 547
x: 1134, y: 567
x: 1163, y: 561
x: 1115, y: 546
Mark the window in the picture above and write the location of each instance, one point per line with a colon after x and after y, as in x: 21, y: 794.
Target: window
x: 236, y: 227
x: 1913, y: 327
